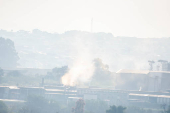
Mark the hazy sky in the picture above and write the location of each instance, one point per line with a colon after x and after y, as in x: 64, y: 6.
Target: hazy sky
x: 140, y: 18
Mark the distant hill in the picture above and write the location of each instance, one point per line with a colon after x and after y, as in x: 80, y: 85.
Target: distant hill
x: 39, y: 49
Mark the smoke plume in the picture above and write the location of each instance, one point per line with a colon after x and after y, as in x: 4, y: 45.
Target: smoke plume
x: 82, y: 68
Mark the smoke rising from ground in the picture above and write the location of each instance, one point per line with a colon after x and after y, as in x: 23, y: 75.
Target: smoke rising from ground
x: 82, y: 71
x: 82, y: 68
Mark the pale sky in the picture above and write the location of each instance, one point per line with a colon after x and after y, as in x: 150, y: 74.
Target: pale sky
x: 139, y: 18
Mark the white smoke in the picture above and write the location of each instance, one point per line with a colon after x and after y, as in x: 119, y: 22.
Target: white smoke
x: 82, y: 71
x: 83, y: 68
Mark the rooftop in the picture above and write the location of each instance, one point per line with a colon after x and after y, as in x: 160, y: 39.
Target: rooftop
x: 121, y: 71
x: 148, y: 95
x: 125, y: 71
x: 11, y: 100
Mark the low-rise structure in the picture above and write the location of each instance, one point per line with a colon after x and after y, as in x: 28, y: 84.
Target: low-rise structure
x: 143, y: 80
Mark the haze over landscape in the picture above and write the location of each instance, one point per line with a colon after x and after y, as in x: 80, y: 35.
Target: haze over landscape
x: 84, y: 56
x: 133, y: 18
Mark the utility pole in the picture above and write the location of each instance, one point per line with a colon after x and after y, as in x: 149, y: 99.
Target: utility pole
x: 91, y: 25
x: 151, y: 64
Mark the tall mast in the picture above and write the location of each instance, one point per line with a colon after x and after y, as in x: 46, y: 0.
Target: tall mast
x: 91, y: 25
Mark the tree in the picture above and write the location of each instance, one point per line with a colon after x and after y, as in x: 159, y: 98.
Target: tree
x: 8, y: 54
x: 134, y: 109
x: 79, y: 106
x: 163, y: 106
x: 57, y: 73
x: 38, y: 104
x: 14, y: 73
x: 1, y: 72
x: 95, y: 106
x: 102, y: 76
x: 114, y: 109
x: 168, y: 111
x: 3, y: 107
x: 151, y: 64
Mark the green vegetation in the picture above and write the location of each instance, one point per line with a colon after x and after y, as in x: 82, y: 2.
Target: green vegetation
x: 21, y: 80
x: 102, y: 76
x: 58, y: 50
x: 9, y: 56
x: 116, y: 109
x: 57, y: 73
x: 38, y: 104
x: 168, y: 111
x: 79, y: 106
x: 1, y: 72
x: 95, y: 106
x: 3, y: 107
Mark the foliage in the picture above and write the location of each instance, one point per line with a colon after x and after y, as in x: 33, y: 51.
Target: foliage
x: 168, y: 111
x: 14, y: 73
x: 21, y: 80
x: 3, y: 107
x: 57, y: 73
x: 115, y: 109
x: 9, y: 56
x: 79, y: 106
x: 119, y: 52
x: 134, y: 109
x: 1, y: 72
x: 38, y: 104
x: 102, y: 76
x: 164, y: 106
x: 95, y: 106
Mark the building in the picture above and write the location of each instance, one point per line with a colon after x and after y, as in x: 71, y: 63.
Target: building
x: 132, y: 79
x: 143, y: 80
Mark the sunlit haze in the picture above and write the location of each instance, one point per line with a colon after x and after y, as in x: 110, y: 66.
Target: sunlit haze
x: 84, y: 56
x: 139, y: 18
